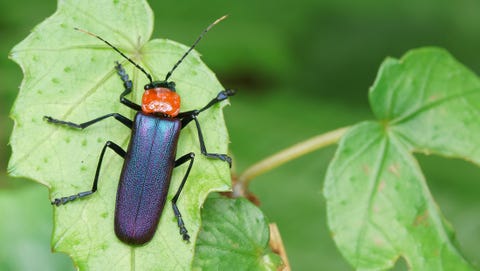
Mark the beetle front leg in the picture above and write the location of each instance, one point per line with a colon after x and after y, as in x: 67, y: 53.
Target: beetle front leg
x: 222, y: 95
x: 127, y: 83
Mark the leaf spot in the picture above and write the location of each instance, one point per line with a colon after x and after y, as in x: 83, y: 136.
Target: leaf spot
x: 394, y: 168
x: 421, y: 219
x: 366, y: 169
x: 104, y: 246
x: 432, y: 98
x: 378, y: 241
x: 381, y: 186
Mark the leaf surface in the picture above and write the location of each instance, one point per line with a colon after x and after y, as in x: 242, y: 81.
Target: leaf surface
x: 378, y: 202
x: 70, y: 76
x: 234, y: 236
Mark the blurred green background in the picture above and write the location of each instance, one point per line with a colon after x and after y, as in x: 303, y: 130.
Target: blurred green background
x: 300, y: 69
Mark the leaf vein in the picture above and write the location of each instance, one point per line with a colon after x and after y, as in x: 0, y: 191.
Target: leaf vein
x: 427, y: 106
x: 371, y: 193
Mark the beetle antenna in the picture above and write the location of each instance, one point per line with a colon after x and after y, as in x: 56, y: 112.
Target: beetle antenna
x: 194, y: 44
x: 118, y: 51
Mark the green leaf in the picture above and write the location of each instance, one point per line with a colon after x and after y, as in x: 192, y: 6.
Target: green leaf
x: 234, y: 236
x: 70, y: 76
x: 379, y: 206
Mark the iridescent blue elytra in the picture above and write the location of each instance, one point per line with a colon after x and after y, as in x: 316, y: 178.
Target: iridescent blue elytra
x: 145, y: 179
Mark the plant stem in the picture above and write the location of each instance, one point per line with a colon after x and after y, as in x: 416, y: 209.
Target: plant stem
x: 276, y: 244
x: 284, y: 156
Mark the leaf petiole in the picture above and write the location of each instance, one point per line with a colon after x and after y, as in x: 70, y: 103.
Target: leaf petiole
x: 240, y: 188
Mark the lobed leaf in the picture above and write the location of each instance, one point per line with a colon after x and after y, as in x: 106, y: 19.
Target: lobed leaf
x: 234, y: 236
x: 70, y: 76
x: 378, y: 202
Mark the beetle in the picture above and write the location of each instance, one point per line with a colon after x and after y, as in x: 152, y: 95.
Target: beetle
x: 150, y: 157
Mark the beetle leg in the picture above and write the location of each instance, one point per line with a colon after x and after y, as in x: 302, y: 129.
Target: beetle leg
x: 188, y: 116
x: 222, y: 95
x: 188, y: 157
x: 117, y: 116
x: 203, y: 149
x: 111, y: 145
x: 127, y: 83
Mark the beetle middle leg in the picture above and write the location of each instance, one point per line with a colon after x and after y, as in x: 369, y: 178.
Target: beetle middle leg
x: 127, y: 122
x: 181, y: 225
x: 117, y: 149
x: 188, y: 116
x: 124, y: 120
